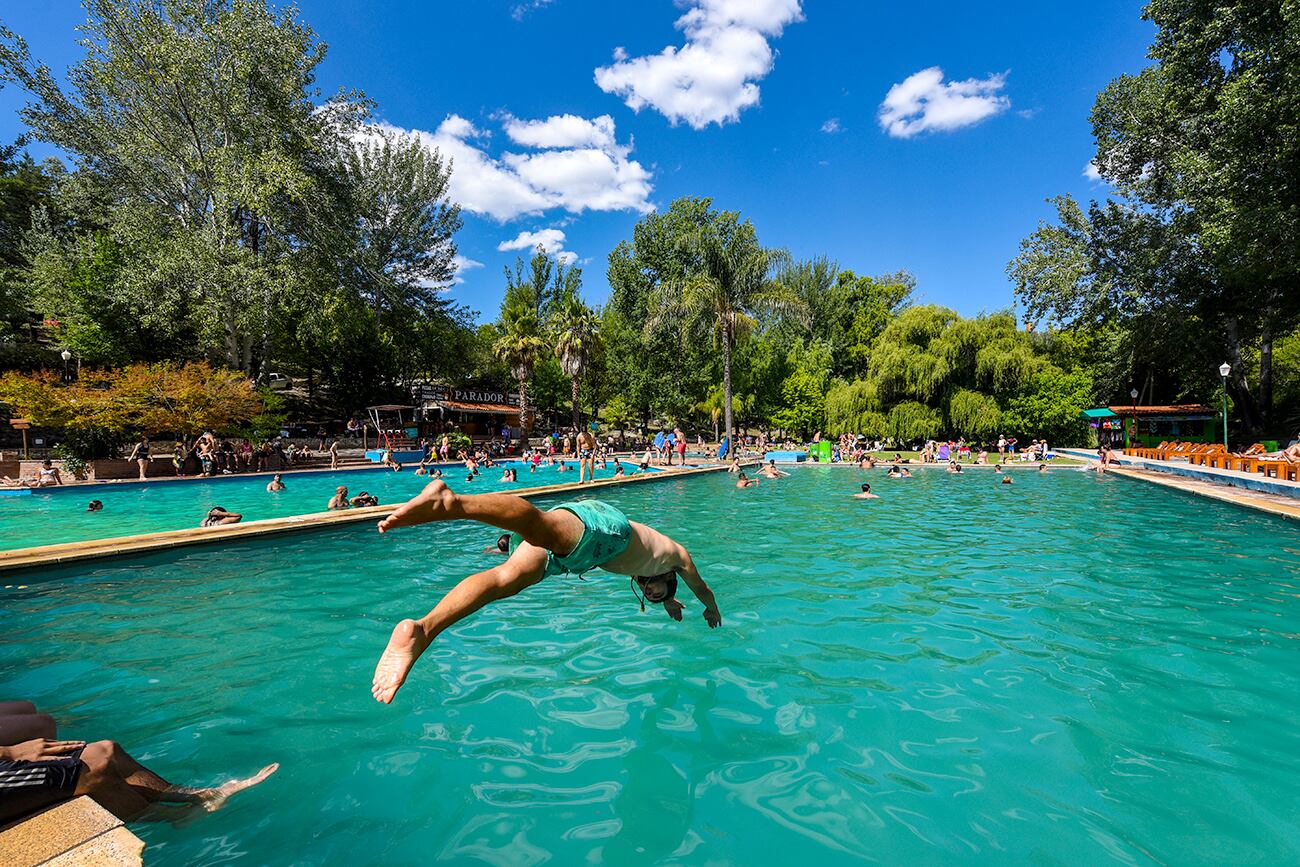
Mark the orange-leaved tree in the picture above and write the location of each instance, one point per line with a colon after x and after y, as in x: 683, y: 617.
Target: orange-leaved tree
x: 145, y: 398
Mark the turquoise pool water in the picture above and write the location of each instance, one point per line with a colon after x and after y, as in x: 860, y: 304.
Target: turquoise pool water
x: 46, y: 518
x: 1069, y: 670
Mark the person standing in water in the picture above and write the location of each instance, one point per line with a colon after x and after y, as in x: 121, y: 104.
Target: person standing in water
x: 586, y: 457
x: 572, y: 538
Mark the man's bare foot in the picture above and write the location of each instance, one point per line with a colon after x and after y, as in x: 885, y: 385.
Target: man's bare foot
x: 215, y: 799
x: 434, y: 503
x: 404, y: 648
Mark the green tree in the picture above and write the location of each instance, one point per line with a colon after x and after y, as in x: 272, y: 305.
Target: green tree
x: 398, y: 237
x: 577, y: 339
x: 730, y: 279
x: 1049, y: 407
x: 911, y: 421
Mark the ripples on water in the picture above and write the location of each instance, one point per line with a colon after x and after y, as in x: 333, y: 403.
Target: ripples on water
x: 1066, y: 670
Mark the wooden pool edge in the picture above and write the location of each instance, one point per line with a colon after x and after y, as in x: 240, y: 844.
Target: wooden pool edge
x: 62, y: 554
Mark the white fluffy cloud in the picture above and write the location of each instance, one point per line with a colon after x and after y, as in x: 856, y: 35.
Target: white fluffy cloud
x: 581, y: 167
x: 562, y: 131
x: 550, y: 240
x: 924, y: 102
x: 1091, y: 172
x: 832, y: 126
x: 711, y: 78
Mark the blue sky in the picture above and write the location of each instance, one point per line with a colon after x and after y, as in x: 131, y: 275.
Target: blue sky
x: 823, y: 121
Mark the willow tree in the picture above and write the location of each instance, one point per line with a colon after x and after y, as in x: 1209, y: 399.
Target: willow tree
x: 731, y: 279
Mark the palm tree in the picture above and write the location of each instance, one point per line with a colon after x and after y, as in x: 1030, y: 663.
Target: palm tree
x: 731, y: 280
x: 714, y: 403
x: 520, y: 346
x: 577, y: 340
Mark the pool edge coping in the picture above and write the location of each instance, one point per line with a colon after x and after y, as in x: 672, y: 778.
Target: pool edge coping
x: 64, y: 553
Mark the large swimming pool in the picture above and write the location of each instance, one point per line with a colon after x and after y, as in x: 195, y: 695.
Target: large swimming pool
x: 46, y: 517
x: 1068, y: 670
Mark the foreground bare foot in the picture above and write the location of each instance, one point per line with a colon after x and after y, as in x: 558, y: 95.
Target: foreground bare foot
x: 218, y: 797
x: 433, y: 503
x: 404, y: 648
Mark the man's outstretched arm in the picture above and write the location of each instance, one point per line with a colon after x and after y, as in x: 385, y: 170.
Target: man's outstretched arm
x: 691, y: 575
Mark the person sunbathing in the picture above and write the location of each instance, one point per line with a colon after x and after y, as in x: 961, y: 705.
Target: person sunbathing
x: 592, y: 534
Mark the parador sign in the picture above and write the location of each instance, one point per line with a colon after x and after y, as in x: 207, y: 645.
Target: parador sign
x: 426, y: 393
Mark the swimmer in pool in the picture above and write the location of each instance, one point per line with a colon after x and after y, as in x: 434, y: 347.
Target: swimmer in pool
x: 771, y: 472
x: 744, y: 481
x: 218, y: 516
x: 1006, y: 480
x: 501, y: 547
x: 340, y: 499
x: 276, y: 484
x: 866, y: 493
x: 95, y: 506
x: 593, y: 535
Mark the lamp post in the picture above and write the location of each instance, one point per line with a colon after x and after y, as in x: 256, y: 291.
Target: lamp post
x: 1133, y: 393
x: 66, y: 356
x: 1224, y: 370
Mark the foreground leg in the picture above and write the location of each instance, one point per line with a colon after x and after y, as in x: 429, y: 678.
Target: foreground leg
x: 558, y: 531
x: 410, y: 638
x: 115, y: 778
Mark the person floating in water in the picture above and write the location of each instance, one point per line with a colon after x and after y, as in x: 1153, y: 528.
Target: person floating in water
x: 1006, y: 480
x: 218, y: 516
x: 95, y: 506
x: 276, y: 484
x: 592, y: 534
x: 744, y: 481
x: 897, y: 472
x: 866, y: 493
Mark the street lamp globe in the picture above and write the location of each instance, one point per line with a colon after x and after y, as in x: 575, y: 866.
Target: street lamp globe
x: 1225, y: 369
x: 1133, y: 393
x: 65, y: 355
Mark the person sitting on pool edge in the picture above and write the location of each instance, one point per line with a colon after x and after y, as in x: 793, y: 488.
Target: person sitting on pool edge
x: 866, y: 493
x: 276, y: 484
x: 38, y: 771
x: 218, y: 516
x: 592, y: 533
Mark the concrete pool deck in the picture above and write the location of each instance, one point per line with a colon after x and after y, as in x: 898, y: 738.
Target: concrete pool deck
x: 76, y: 833
x: 1277, y: 497
x: 97, y: 549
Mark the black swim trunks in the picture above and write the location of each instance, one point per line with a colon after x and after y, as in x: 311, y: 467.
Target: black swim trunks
x: 26, y: 787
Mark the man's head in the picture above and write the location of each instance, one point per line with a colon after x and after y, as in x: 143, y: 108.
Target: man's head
x: 866, y: 489
x: 276, y: 477
x: 95, y: 506
x: 656, y: 589
x: 341, y: 491
x: 46, y: 463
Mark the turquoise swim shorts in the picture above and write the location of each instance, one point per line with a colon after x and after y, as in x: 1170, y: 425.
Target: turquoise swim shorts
x: 607, y: 535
